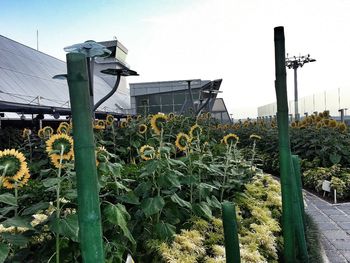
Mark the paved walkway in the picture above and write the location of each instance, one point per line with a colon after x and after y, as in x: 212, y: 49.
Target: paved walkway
x: 334, y: 224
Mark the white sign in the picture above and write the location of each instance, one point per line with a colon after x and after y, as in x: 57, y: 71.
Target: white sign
x: 326, y: 186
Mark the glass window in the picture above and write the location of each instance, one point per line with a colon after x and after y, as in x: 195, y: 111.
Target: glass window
x: 166, y: 99
x: 179, y: 98
x: 167, y: 108
x: 143, y: 110
x: 154, y: 109
x: 154, y: 99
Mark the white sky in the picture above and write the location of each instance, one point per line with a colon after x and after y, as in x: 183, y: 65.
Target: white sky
x: 229, y: 39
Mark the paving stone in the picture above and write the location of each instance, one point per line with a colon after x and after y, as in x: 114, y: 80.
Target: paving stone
x: 335, y: 257
x: 342, y: 244
x: 332, y: 211
x: 335, y: 234
x: 346, y: 254
x: 327, y: 245
x: 340, y: 218
x: 344, y: 225
x: 323, y: 226
x: 321, y: 218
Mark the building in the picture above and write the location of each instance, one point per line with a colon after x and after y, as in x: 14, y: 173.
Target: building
x: 27, y: 87
x: 180, y: 97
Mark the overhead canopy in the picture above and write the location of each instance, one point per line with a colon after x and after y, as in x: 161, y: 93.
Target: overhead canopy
x: 26, y: 82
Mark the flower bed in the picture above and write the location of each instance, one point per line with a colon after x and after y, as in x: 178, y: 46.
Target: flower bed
x: 161, y: 180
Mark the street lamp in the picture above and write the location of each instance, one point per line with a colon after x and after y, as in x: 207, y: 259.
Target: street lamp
x: 294, y: 63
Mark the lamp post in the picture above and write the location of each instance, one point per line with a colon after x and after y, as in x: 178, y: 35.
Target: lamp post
x: 294, y: 63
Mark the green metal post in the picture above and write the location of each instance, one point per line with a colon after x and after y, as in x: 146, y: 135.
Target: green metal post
x: 230, y: 233
x: 297, y: 172
x: 89, y: 215
x: 298, y: 212
x: 284, y: 147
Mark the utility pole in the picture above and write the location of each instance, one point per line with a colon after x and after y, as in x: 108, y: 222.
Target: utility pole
x: 294, y: 63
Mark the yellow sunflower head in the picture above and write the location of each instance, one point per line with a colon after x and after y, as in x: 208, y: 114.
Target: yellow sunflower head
x: 138, y: 117
x: 59, y: 142
x: 128, y: 118
x: 319, y: 125
x: 102, y: 154
x: 11, y: 182
x: 147, y: 152
x: 26, y: 133
x: 294, y: 124
x: 100, y: 125
x: 63, y: 128
x: 171, y: 116
x: 56, y: 158
x: 195, y: 131
x: 326, y: 114
x: 254, y: 137
x: 318, y: 118
x: 157, y: 122
x: 41, y: 134
x: 182, y: 141
x: 142, y: 128
x: 208, y: 115
x: 124, y: 124
x: 230, y: 138
x: 109, y: 119
x: 48, y: 131
x: 332, y: 123
x: 13, y: 164
x: 326, y: 122
x: 342, y: 127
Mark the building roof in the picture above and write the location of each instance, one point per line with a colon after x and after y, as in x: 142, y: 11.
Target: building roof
x: 26, y: 78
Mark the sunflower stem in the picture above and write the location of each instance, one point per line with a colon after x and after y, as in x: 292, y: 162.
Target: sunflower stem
x: 30, y: 147
x: 253, y: 156
x: 228, y: 157
x: 58, y: 211
x: 16, y: 199
x: 3, y: 174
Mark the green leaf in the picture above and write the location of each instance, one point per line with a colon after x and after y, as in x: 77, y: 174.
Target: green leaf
x: 213, y: 202
x: 4, y: 251
x: 335, y: 158
x: 153, y: 205
x: 8, y: 198
x: 15, y: 239
x: 176, y: 162
x: 176, y: 199
x: 143, y: 189
x: 169, y: 180
x: 35, y: 208
x: 6, y: 209
x: 116, y: 215
x: 164, y: 230
x: 129, y: 198
x: 17, y: 221
x: 48, y: 182
x: 45, y: 172
x: 202, y: 210
x: 67, y: 227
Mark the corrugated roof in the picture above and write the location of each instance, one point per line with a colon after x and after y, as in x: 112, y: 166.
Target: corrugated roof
x: 26, y: 77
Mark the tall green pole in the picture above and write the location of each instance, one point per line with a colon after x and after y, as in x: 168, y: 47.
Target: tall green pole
x: 284, y: 147
x: 298, y: 212
x: 230, y: 233
x: 89, y: 214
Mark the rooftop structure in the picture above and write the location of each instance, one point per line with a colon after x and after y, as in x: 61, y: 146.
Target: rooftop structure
x: 27, y: 86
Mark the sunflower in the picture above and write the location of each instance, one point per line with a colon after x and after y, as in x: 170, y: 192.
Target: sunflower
x: 48, y: 131
x: 59, y: 141
x: 13, y: 164
x: 332, y: 123
x: 318, y: 118
x: 342, y: 126
x: 100, y: 125
x: 55, y: 160
x: 109, y: 119
x: 230, y: 138
x: 142, y: 128
x: 182, y: 141
x: 326, y: 122
x: 254, y: 137
x: 147, y: 152
x: 319, y: 125
x: 10, y: 182
x: 195, y: 131
x: 157, y: 122
x: 138, y: 117
x: 171, y: 116
x: 41, y: 133
x: 124, y: 124
x: 63, y: 128
x: 294, y: 124
x: 208, y: 115
x: 128, y: 118
x: 26, y: 133
x: 101, y: 155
